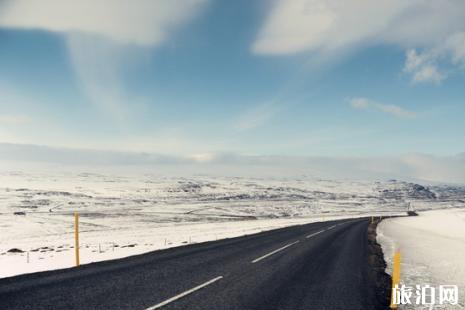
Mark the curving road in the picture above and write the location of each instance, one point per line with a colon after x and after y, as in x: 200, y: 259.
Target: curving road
x: 313, y: 266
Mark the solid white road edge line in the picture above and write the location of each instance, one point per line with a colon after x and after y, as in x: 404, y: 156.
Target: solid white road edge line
x: 184, y: 294
x: 314, y: 234
x: 274, y: 252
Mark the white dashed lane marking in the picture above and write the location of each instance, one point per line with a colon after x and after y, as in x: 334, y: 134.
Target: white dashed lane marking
x: 157, y: 306
x: 273, y: 252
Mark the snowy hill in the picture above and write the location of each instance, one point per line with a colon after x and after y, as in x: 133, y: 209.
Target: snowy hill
x: 126, y: 214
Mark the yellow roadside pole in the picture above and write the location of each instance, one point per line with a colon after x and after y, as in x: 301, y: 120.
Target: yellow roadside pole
x: 76, y: 237
x: 395, y: 278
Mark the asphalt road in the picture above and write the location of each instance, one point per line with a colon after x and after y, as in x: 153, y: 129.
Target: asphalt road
x: 314, y: 266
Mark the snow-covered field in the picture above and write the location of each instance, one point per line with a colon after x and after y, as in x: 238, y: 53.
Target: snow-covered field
x: 432, y: 247
x: 127, y: 214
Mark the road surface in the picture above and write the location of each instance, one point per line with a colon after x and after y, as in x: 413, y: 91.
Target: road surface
x: 313, y: 266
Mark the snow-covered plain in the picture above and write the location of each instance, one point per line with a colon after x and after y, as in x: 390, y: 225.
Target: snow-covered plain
x: 127, y: 214
x: 432, y: 247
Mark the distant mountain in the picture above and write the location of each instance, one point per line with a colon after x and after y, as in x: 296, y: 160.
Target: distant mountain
x: 404, y: 190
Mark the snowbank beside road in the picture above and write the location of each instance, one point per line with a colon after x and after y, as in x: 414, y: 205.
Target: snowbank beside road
x: 432, y: 246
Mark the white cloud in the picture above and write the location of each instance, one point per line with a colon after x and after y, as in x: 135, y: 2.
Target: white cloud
x: 423, y: 67
x: 330, y: 26
x: 395, y: 110
x: 101, y: 37
x: 143, y: 22
x: 300, y: 25
x: 428, y: 73
x: 294, y: 26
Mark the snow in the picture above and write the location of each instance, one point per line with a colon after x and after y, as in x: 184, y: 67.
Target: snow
x: 432, y: 247
x: 47, y: 252
x: 131, y: 213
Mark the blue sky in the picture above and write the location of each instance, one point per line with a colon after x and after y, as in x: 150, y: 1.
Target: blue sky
x: 195, y: 78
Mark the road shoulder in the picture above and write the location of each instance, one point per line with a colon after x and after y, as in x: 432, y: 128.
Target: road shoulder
x: 377, y: 275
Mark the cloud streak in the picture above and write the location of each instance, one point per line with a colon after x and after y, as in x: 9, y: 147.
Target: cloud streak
x: 140, y: 22
x: 312, y: 25
x: 395, y: 110
x: 424, y: 66
x: 335, y: 27
x: 101, y: 37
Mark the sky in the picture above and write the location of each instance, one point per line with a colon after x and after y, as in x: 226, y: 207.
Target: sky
x: 197, y: 78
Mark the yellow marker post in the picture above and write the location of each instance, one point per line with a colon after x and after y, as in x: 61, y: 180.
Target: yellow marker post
x: 76, y: 237
x: 395, y: 277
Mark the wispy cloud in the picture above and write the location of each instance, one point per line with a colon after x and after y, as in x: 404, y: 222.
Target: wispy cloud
x: 99, y: 34
x: 312, y: 25
x: 395, y: 110
x: 140, y: 22
x: 99, y: 66
x: 335, y: 27
x: 424, y: 67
